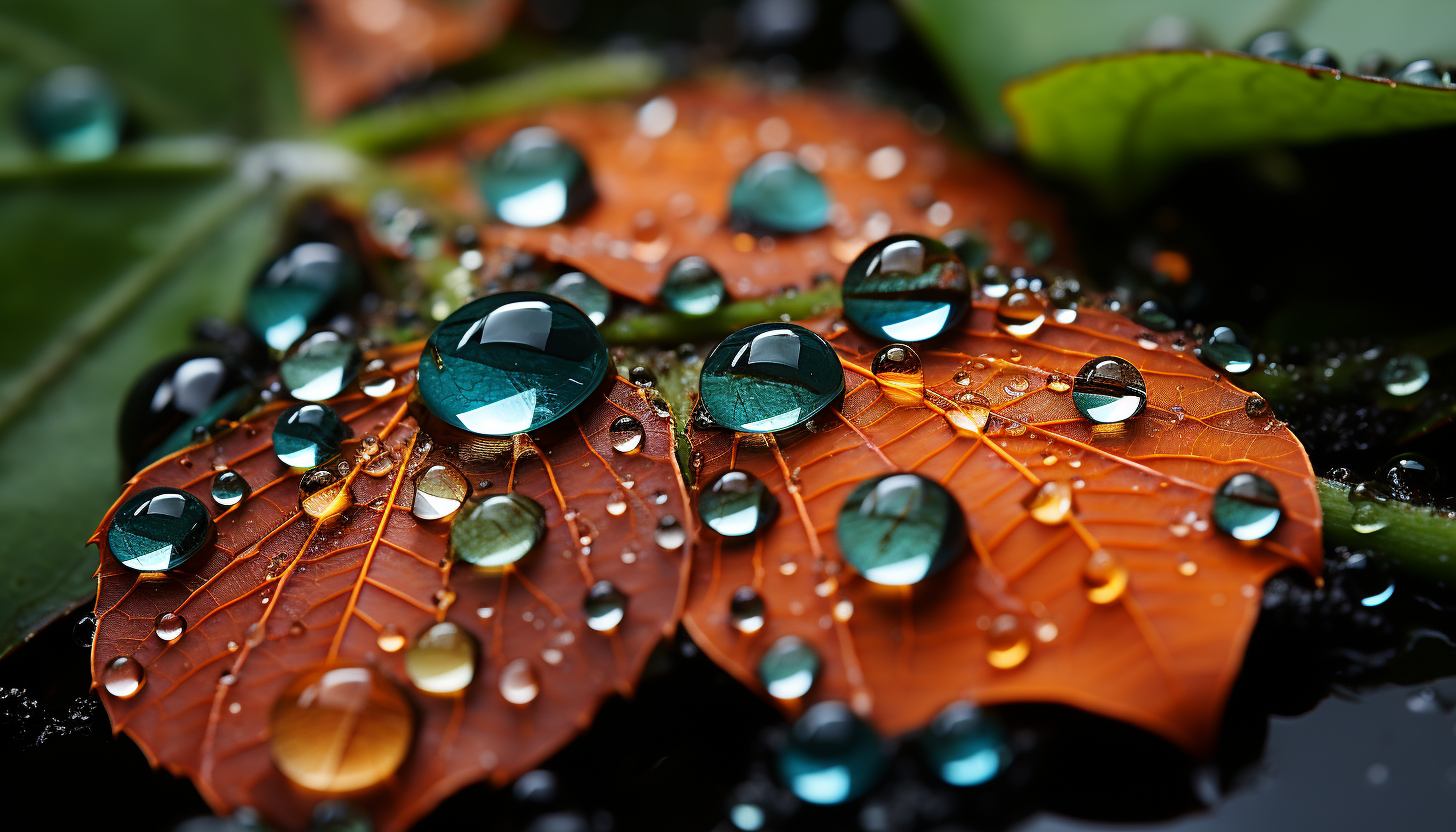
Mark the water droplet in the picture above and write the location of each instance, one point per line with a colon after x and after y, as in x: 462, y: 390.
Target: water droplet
x: 175, y: 403
x: 1255, y: 406
x: 1017, y: 385
x: 1153, y: 315
x: 158, y: 529
x: 670, y: 534
x: 906, y: 288
x: 770, y: 377
x: 390, y: 639
x: 1423, y: 72
x: 1052, y: 503
x: 74, y: 114
x: 380, y: 465
x: 897, y: 529
x: 777, y: 194
x: 229, y: 488
x: 1007, y: 644
x: 692, y: 287
x: 518, y: 682
x: 1020, y: 314
x: 994, y: 282
x: 964, y: 745
x: 617, y: 504
x: 123, y: 676
x: 439, y: 492
x: 1058, y: 383
x: 319, y: 366
x: 1410, y: 476
x: 1224, y: 349
x: 1109, y: 390
x: 746, y: 610
x: 788, y: 668
x: 626, y: 435
x: 169, y: 626
x: 511, y: 363
x: 307, y: 435
x: 341, y: 729
x: 376, y: 379
x: 970, y: 414
x: 1366, y: 500
x: 1246, y: 507
x: 585, y: 293
x: 1405, y: 375
x: 642, y: 377
x: 499, y: 531
x: 442, y: 659
x: 605, y: 606
x: 1105, y: 576
x: 900, y: 374
x: 831, y: 756
x: 737, y: 504
x: 1187, y: 568
x: 535, y: 178
x: 84, y: 631
x: 323, y: 493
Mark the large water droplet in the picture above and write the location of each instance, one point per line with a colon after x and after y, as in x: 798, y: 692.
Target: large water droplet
x: 442, y: 659
x: 1109, y: 390
x: 1224, y: 349
x: 1051, y: 503
x: 323, y: 492
x: 439, y: 491
x: 1409, y: 476
x: 1105, y: 576
x: 605, y: 606
x: 1007, y: 644
x: 964, y: 745
x: 1020, y: 314
x: 737, y: 504
x: 535, y: 178
x: 692, y: 287
x: 746, y: 610
x: 906, y: 288
x: 585, y: 293
x: 1405, y: 375
x: 788, y: 668
x: 900, y: 374
x: 626, y: 435
x: 172, y: 399
x: 770, y: 377
x: 307, y: 435
x: 169, y: 626
x: 229, y: 488
x: 1246, y: 507
x: 158, y: 529
x: 123, y: 676
x: 299, y: 290
x: 340, y: 729
x: 317, y: 367
x: 897, y: 529
x: 499, y: 531
x: 777, y: 194
x: 74, y: 114
x: 518, y: 683
x: 831, y: 756
x: 511, y: 363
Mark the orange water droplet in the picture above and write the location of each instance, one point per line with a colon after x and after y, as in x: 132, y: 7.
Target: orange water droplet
x: 343, y: 729
x: 1105, y: 576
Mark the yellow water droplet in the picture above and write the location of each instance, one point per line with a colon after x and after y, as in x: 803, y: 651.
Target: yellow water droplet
x: 1105, y: 576
x: 1052, y: 503
x: 1058, y: 383
x: 1188, y: 568
x: 323, y: 493
x: 390, y: 640
x: 343, y: 729
x: 900, y: 374
x: 969, y: 418
x: 1007, y: 642
x: 442, y: 659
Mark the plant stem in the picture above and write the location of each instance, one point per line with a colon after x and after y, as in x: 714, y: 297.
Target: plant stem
x: 1416, y: 539
x: 670, y: 328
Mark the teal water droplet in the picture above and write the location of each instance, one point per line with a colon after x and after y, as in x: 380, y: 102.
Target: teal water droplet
x: 970, y: 246
x: 172, y: 399
x: 298, y: 290
x: 737, y: 504
x: 965, y: 746
x: 498, y: 531
x: 831, y: 756
x: 692, y: 287
x: 1422, y: 73
x: 535, y: 178
x: 1109, y: 390
x: 1155, y: 316
x: 74, y: 114
x: 770, y: 377
x: 1367, y: 501
x: 319, y: 366
x: 229, y: 488
x: 897, y: 529
x: 605, y: 606
x: 749, y: 817
x: 1223, y: 349
x: 1405, y: 375
x: 585, y: 293
x: 788, y: 668
x: 906, y: 288
x: 158, y: 529
x: 777, y: 194
x: 511, y: 363
x: 1246, y: 507
x: 308, y: 435
x: 1276, y: 45
x: 746, y: 610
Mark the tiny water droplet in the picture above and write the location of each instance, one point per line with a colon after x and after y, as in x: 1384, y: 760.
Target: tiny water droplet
x: 323, y: 493
x: 964, y: 745
x: 605, y: 606
x: 391, y: 638
x: 1105, y: 576
x: 831, y: 756
x: 617, y: 504
x: 376, y: 380
x: 1058, y: 383
x: 1007, y: 644
x: 906, y: 288
x: 670, y: 534
x: 1405, y: 375
x: 498, y: 531
x: 1246, y: 507
x: 318, y: 367
x: 518, y: 684
x: 1224, y: 349
x: 737, y: 504
x: 1051, y: 503
x: 692, y: 287
x: 440, y: 490
x: 229, y: 488
x: 746, y: 610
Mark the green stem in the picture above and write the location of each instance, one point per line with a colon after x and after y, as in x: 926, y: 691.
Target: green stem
x: 1416, y: 539
x: 189, y: 156
x: 401, y: 126
x: 669, y: 328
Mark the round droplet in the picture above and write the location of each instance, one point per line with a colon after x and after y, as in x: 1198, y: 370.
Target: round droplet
x: 498, y: 531
x: 897, y: 529
x: 1224, y: 349
x: 535, y: 178
x: 442, y: 659
x: 1020, y: 314
x: 670, y: 534
x: 776, y: 194
x: 1255, y: 406
x: 158, y: 529
x: 626, y: 435
x: 1246, y: 507
x: 376, y: 379
x: 319, y: 366
x: 605, y: 606
x: 831, y: 756
x: 1109, y: 390
x: 1276, y: 45
x: 323, y: 492
x: 692, y: 287
x: 229, y: 488
x: 964, y: 745
x: 746, y: 610
x: 123, y: 676
x: 1405, y: 375
x: 1058, y: 383
x: 298, y: 290
x: 737, y: 504
x: 390, y: 639
x: 1409, y: 476
x: 585, y: 293
x: 439, y: 492
x: 307, y: 435
x: 1105, y: 576
x: 174, y: 398
x: 900, y: 374
x: 788, y: 668
x: 518, y: 684
x: 1051, y: 503
x: 1423, y: 72
x: 642, y: 377
x: 511, y: 363
x: 770, y: 377
x: 341, y: 729
x: 1007, y: 644
x: 906, y: 288
x: 1366, y: 501
x: 74, y: 114
x: 995, y: 282
x: 169, y: 626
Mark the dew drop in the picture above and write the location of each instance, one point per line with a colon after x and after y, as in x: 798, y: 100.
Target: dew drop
x: 1051, y: 503
x: 1246, y: 507
x: 584, y: 292
x: 123, y: 677
x: 1366, y: 516
x: 906, y: 288
x: 1256, y: 406
x: 831, y: 756
x: 777, y: 194
x: 440, y: 490
x: 900, y: 374
x: 1105, y: 576
x: 788, y: 668
x: 75, y: 114
x: 169, y: 626
x: 605, y: 606
x: 442, y: 659
x: 376, y: 380
x: 746, y: 610
x: 737, y: 504
x: 897, y: 529
x: 1405, y: 375
x: 1109, y: 390
x: 770, y: 377
x: 1058, y: 383
x: 693, y: 288
x: 498, y: 531
x: 1020, y: 314
x: 617, y: 504
x: 994, y: 282
x: 319, y: 366
x: 670, y: 534
x: 158, y: 529
x: 518, y: 684
x: 323, y: 493
x: 964, y: 745
x: 341, y: 729
x: 307, y: 435
x: 229, y: 488
x: 535, y: 178
x: 1007, y: 643
x: 390, y: 639
x: 380, y: 465
x: 626, y: 435
x: 1224, y: 350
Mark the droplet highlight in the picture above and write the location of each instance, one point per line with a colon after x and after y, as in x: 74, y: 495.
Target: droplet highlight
x: 442, y: 659
x: 498, y: 531
x: 158, y: 529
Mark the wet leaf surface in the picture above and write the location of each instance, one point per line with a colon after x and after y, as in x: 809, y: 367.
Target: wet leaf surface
x: 277, y: 594
x: 1162, y: 655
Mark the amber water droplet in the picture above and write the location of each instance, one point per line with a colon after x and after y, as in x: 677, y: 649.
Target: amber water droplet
x: 380, y: 465
x: 670, y: 534
x: 746, y: 610
x: 969, y: 415
x: 900, y: 374
x: 1052, y: 503
x: 323, y: 493
x: 1020, y: 314
x: 1007, y: 642
x: 518, y: 684
x: 626, y: 435
x: 1255, y: 406
x: 440, y: 490
x: 442, y: 659
x: 1105, y: 576
x: 617, y: 504
x: 342, y: 729
x: 391, y: 638
x: 605, y: 606
x: 123, y: 677
x: 169, y: 626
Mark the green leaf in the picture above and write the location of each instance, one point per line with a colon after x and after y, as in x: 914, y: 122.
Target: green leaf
x: 1117, y: 123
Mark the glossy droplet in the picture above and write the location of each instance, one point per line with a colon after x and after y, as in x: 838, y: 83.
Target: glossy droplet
x: 900, y: 374
x: 511, y: 363
x: 298, y: 290
x: 1366, y: 500
x: 74, y: 114
x: 1223, y: 349
x: 585, y: 293
x: 692, y: 287
x: 439, y: 492
x: 535, y: 178
x: 1409, y: 476
x: 307, y: 435
x: 776, y: 194
x: 1051, y: 503
x: 626, y: 435
x: 323, y: 492
x: 442, y: 659
x: 964, y: 745
x: 1423, y: 72
x: 746, y: 610
x: 1154, y: 316
x: 122, y: 677
x: 906, y: 288
x: 158, y: 529
x: 341, y: 729
x: 1246, y: 507
x: 1276, y: 45
x: 499, y: 531
x: 642, y: 377
x: 1109, y: 390
x: 788, y: 668
x: 1020, y: 314
x: 1105, y: 576
x: 319, y: 366
x: 897, y: 529
x: 229, y: 488
x: 169, y: 626
x: 376, y: 379
x: 518, y: 684
x: 172, y: 399
x: 605, y: 606
x: 1255, y: 406
x: 1405, y: 375
x: 994, y: 282
x: 390, y: 638
x: 670, y: 534
x: 1007, y: 644
x: 1058, y: 383
x: 770, y: 377
x: 831, y: 756
x: 737, y: 504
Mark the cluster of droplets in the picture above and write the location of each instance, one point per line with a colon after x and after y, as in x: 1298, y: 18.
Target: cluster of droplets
x: 1281, y: 45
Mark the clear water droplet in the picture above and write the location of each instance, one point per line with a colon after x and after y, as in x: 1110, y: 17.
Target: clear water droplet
x: 376, y: 379
x: 1058, y: 383
x: 320, y: 366
x: 518, y: 684
x: 1246, y: 507
x: 298, y: 290
x: 1051, y: 503
x: 906, y: 288
x: 788, y: 668
x: 535, y: 178
x: 692, y: 287
x: 626, y: 435
x: 737, y: 504
x: 670, y: 534
x: 1224, y: 349
x: 1020, y: 314
x: 1367, y: 500
x: 307, y: 435
x: 498, y: 531
x: 391, y: 638
x: 1108, y: 390
x: 75, y: 114
x: 746, y: 610
x: 1405, y: 375
x: 229, y: 488
x: 617, y: 504
x: 169, y: 626
x: 122, y: 677
x: 158, y: 529
x: 341, y: 729
x: 605, y: 606
x: 442, y: 659
x: 1255, y: 406
x: 585, y: 293
x: 440, y: 490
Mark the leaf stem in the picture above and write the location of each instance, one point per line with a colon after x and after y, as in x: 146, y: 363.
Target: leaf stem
x: 1418, y: 540
x: 670, y: 328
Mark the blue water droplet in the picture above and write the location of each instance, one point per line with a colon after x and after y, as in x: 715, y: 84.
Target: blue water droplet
x: 737, y: 504
x: 770, y: 377
x: 897, y: 529
x: 776, y: 194
x: 320, y: 366
x: 788, y: 668
x: 158, y: 529
x: 1224, y: 349
x: 831, y: 756
x: 308, y: 435
x: 535, y: 178
x: 1246, y: 507
x: 298, y: 290
x: 74, y: 114
x: 906, y: 288
x: 964, y: 745
x: 1405, y: 375
x: 229, y: 488
x: 692, y: 287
